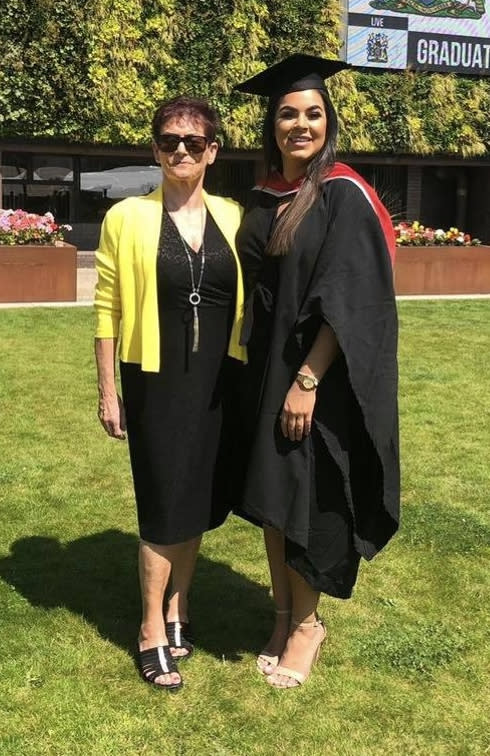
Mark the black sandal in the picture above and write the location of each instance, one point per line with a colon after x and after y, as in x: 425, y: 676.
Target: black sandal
x: 158, y: 661
x: 180, y: 636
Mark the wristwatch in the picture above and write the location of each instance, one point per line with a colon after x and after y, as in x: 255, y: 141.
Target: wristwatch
x: 307, y: 382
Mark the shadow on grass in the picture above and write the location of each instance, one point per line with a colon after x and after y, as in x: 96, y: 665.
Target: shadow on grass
x: 96, y: 577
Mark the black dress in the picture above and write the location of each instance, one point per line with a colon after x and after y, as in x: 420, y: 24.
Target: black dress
x: 335, y: 493
x: 177, y: 440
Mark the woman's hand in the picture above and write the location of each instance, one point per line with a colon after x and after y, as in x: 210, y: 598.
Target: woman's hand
x: 111, y: 409
x: 112, y: 416
x: 297, y: 413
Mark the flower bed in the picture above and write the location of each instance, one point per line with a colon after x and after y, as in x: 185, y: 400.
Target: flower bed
x: 416, y: 235
x: 437, y: 262
x: 36, y: 265
x: 18, y: 227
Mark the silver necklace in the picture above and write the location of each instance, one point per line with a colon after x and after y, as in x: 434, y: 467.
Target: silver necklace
x: 194, y: 296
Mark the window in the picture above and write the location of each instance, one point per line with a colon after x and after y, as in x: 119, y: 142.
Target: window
x: 53, y: 198
x: 231, y: 178
x: 14, y: 171
x: 104, y: 181
x: 52, y: 168
x: 390, y: 183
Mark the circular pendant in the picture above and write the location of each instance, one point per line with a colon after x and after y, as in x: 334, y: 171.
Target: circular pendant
x: 195, y: 298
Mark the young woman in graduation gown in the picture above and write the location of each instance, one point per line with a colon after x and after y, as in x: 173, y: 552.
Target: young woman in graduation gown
x: 320, y: 398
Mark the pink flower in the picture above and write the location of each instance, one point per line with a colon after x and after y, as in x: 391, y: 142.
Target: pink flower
x: 21, y: 227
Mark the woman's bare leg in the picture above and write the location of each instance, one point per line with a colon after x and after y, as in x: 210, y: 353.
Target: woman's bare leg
x: 274, y: 544
x: 183, y: 565
x: 303, y: 642
x: 155, y: 564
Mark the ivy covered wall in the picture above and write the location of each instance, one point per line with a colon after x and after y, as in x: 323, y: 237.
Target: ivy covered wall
x: 93, y: 70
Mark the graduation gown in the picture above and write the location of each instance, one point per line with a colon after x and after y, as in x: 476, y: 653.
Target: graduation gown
x: 335, y: 494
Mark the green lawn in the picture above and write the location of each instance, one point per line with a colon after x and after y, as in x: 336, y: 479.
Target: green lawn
x: 404, y: 670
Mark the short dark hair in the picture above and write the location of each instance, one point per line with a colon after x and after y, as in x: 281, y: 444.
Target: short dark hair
x: 193, y: 108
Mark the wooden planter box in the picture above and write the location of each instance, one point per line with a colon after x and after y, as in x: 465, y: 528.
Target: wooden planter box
x: 38, y: 273
x: 442, y: 270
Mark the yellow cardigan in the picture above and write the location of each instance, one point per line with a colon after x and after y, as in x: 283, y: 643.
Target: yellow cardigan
x: 126, y: 302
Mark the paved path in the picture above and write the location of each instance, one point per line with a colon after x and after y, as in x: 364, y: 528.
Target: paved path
x: 86, y: 278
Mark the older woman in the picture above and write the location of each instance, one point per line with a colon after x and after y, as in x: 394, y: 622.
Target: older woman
x: 170, y: 290
x: 322, y: 479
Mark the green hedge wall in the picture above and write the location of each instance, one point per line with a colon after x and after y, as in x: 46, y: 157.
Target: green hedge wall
x: 93, y: 70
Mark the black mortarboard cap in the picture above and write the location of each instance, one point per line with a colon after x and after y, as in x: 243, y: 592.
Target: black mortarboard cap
x: 293, y: 74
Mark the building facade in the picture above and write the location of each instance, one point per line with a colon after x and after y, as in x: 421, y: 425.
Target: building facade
x: 78, y: 183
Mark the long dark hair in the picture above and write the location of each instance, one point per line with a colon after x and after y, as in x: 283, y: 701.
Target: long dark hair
x: 288, y: 222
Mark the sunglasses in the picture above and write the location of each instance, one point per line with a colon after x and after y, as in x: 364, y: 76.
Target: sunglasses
x: 194, y: 143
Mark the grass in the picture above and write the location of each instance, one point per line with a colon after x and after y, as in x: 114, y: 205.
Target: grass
x: 404, y: 670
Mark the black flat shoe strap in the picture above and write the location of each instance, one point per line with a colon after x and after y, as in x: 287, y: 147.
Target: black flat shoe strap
x: 156, y: 662
x: 179, y: 635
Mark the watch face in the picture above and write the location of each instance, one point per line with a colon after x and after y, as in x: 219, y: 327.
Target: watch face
x: 306, y: 382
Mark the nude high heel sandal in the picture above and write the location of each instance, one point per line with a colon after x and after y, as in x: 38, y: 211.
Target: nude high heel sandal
x: 266, y: 662
x: 299, y: 677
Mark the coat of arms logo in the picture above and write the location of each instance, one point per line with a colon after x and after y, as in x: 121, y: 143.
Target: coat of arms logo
x: 377, y: 47
x: 447, y: 8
